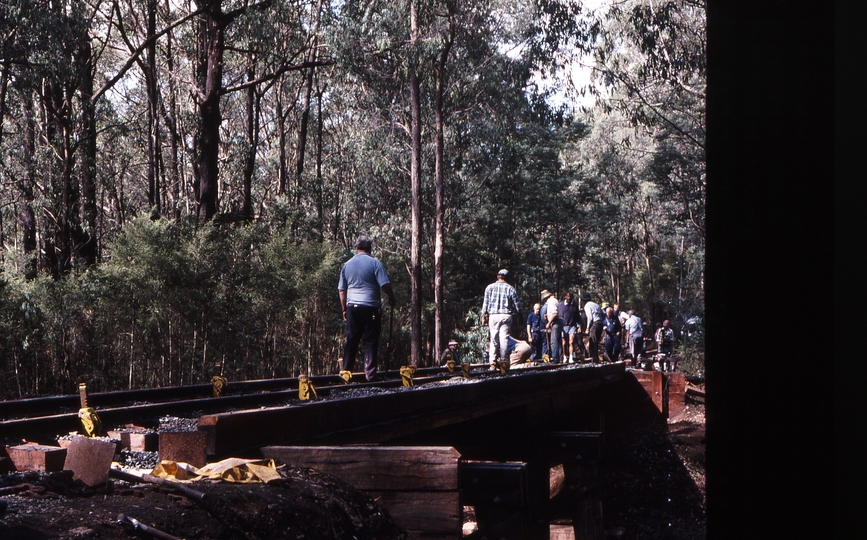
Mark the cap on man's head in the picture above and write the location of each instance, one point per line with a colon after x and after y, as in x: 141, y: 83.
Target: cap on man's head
x: 605, y: 305
x: 585, y: 296
x: 546, y: 294
x: 364, y: 243
x: 503, y: 272
x: 453, y: 342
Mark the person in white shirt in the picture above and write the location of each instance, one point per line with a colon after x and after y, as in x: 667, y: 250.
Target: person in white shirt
x: 636, y: 336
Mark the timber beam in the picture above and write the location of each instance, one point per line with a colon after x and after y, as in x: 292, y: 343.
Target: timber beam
x: 389, y: 416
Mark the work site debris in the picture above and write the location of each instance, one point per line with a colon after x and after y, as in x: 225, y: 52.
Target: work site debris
x: 235, y: 470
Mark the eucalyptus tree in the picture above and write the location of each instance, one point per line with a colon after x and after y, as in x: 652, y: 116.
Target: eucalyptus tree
x: 652, y: 58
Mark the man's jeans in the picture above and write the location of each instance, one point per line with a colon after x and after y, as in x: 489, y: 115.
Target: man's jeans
x: 362, y: 323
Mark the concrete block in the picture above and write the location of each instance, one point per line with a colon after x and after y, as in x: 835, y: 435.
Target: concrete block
x: 37, y: 457
x: 89, y: 459
x: 186, y: 446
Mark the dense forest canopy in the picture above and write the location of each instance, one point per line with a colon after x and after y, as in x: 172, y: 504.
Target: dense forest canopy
x: 181, y: 180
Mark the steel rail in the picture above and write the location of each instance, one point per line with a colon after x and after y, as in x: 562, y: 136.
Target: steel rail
x: 43, y: 419
x: 71, y: 403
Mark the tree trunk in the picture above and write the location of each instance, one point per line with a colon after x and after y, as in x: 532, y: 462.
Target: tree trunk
x: 252, y: 136
x: 26, y: 184
x: 172, y: 123
x: 308, y: 91
x: 281, y: 127
x: 62, y: 213
x: 319, y: 195
x: 210, y: 70
x: 87, y: 245
x: 4, y: 85
x: 439, y: 210
x: 153, y: 173
x: 415, y: 180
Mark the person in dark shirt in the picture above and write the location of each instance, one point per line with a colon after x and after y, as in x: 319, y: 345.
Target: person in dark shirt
x: 568, y: 312
x: 451, y: 353
x: 535, y: 332
x: 665, y: 345
x: 613, y: 329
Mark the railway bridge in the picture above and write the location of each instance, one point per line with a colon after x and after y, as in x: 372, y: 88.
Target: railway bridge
x: 489, y: 441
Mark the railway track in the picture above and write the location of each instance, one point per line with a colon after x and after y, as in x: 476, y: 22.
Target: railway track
x: 42, y: 419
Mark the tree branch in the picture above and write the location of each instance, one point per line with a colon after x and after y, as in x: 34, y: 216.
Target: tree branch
x: 283, y: 69
x: 134, y: 57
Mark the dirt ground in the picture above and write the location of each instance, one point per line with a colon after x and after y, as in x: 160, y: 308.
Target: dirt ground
x: 653, y: 481
x: 303, y: 505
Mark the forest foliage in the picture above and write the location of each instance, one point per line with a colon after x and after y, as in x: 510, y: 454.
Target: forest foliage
x: 180, y: 181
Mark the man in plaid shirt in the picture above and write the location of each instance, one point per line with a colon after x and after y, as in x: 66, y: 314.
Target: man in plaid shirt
x: 501, y: 301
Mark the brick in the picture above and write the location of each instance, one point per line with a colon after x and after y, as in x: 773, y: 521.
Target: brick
x: 89, y: 459
x: 135, y: 441
x: 186, y: 446
x: 37, y: 457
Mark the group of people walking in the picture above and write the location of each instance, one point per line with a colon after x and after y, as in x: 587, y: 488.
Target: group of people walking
x: 555, y: 329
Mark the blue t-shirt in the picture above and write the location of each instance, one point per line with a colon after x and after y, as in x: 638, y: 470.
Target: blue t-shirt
x: 362, y: 277
x: 535, y: 322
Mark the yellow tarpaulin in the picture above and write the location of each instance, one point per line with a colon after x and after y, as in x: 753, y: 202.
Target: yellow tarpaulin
x: 245, y: 471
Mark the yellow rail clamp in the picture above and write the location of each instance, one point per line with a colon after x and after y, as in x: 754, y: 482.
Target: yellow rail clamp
x: 406, y: 373
x: 465, y: 369
x: 502, y: 365
x: 346, y: 374
x: 90, y: 421
x: 305, y: 387
x: 546, y: 358
x: 220, y: 385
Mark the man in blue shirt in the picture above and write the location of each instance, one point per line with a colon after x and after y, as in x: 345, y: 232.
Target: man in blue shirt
x: 361, y: 280
x: 534, y: 332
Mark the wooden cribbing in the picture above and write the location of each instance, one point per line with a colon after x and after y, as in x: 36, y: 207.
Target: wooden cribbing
x: 571, y: 447
x: 676, y: 393
x: 416, y: 468
x: 501, y: 495
x: 418, y: 485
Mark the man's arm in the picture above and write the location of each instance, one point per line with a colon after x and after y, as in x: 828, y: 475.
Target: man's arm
x: 485, y: 303
x: 342, y: 295
x: 390, y: 292
x: 515, y: 300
